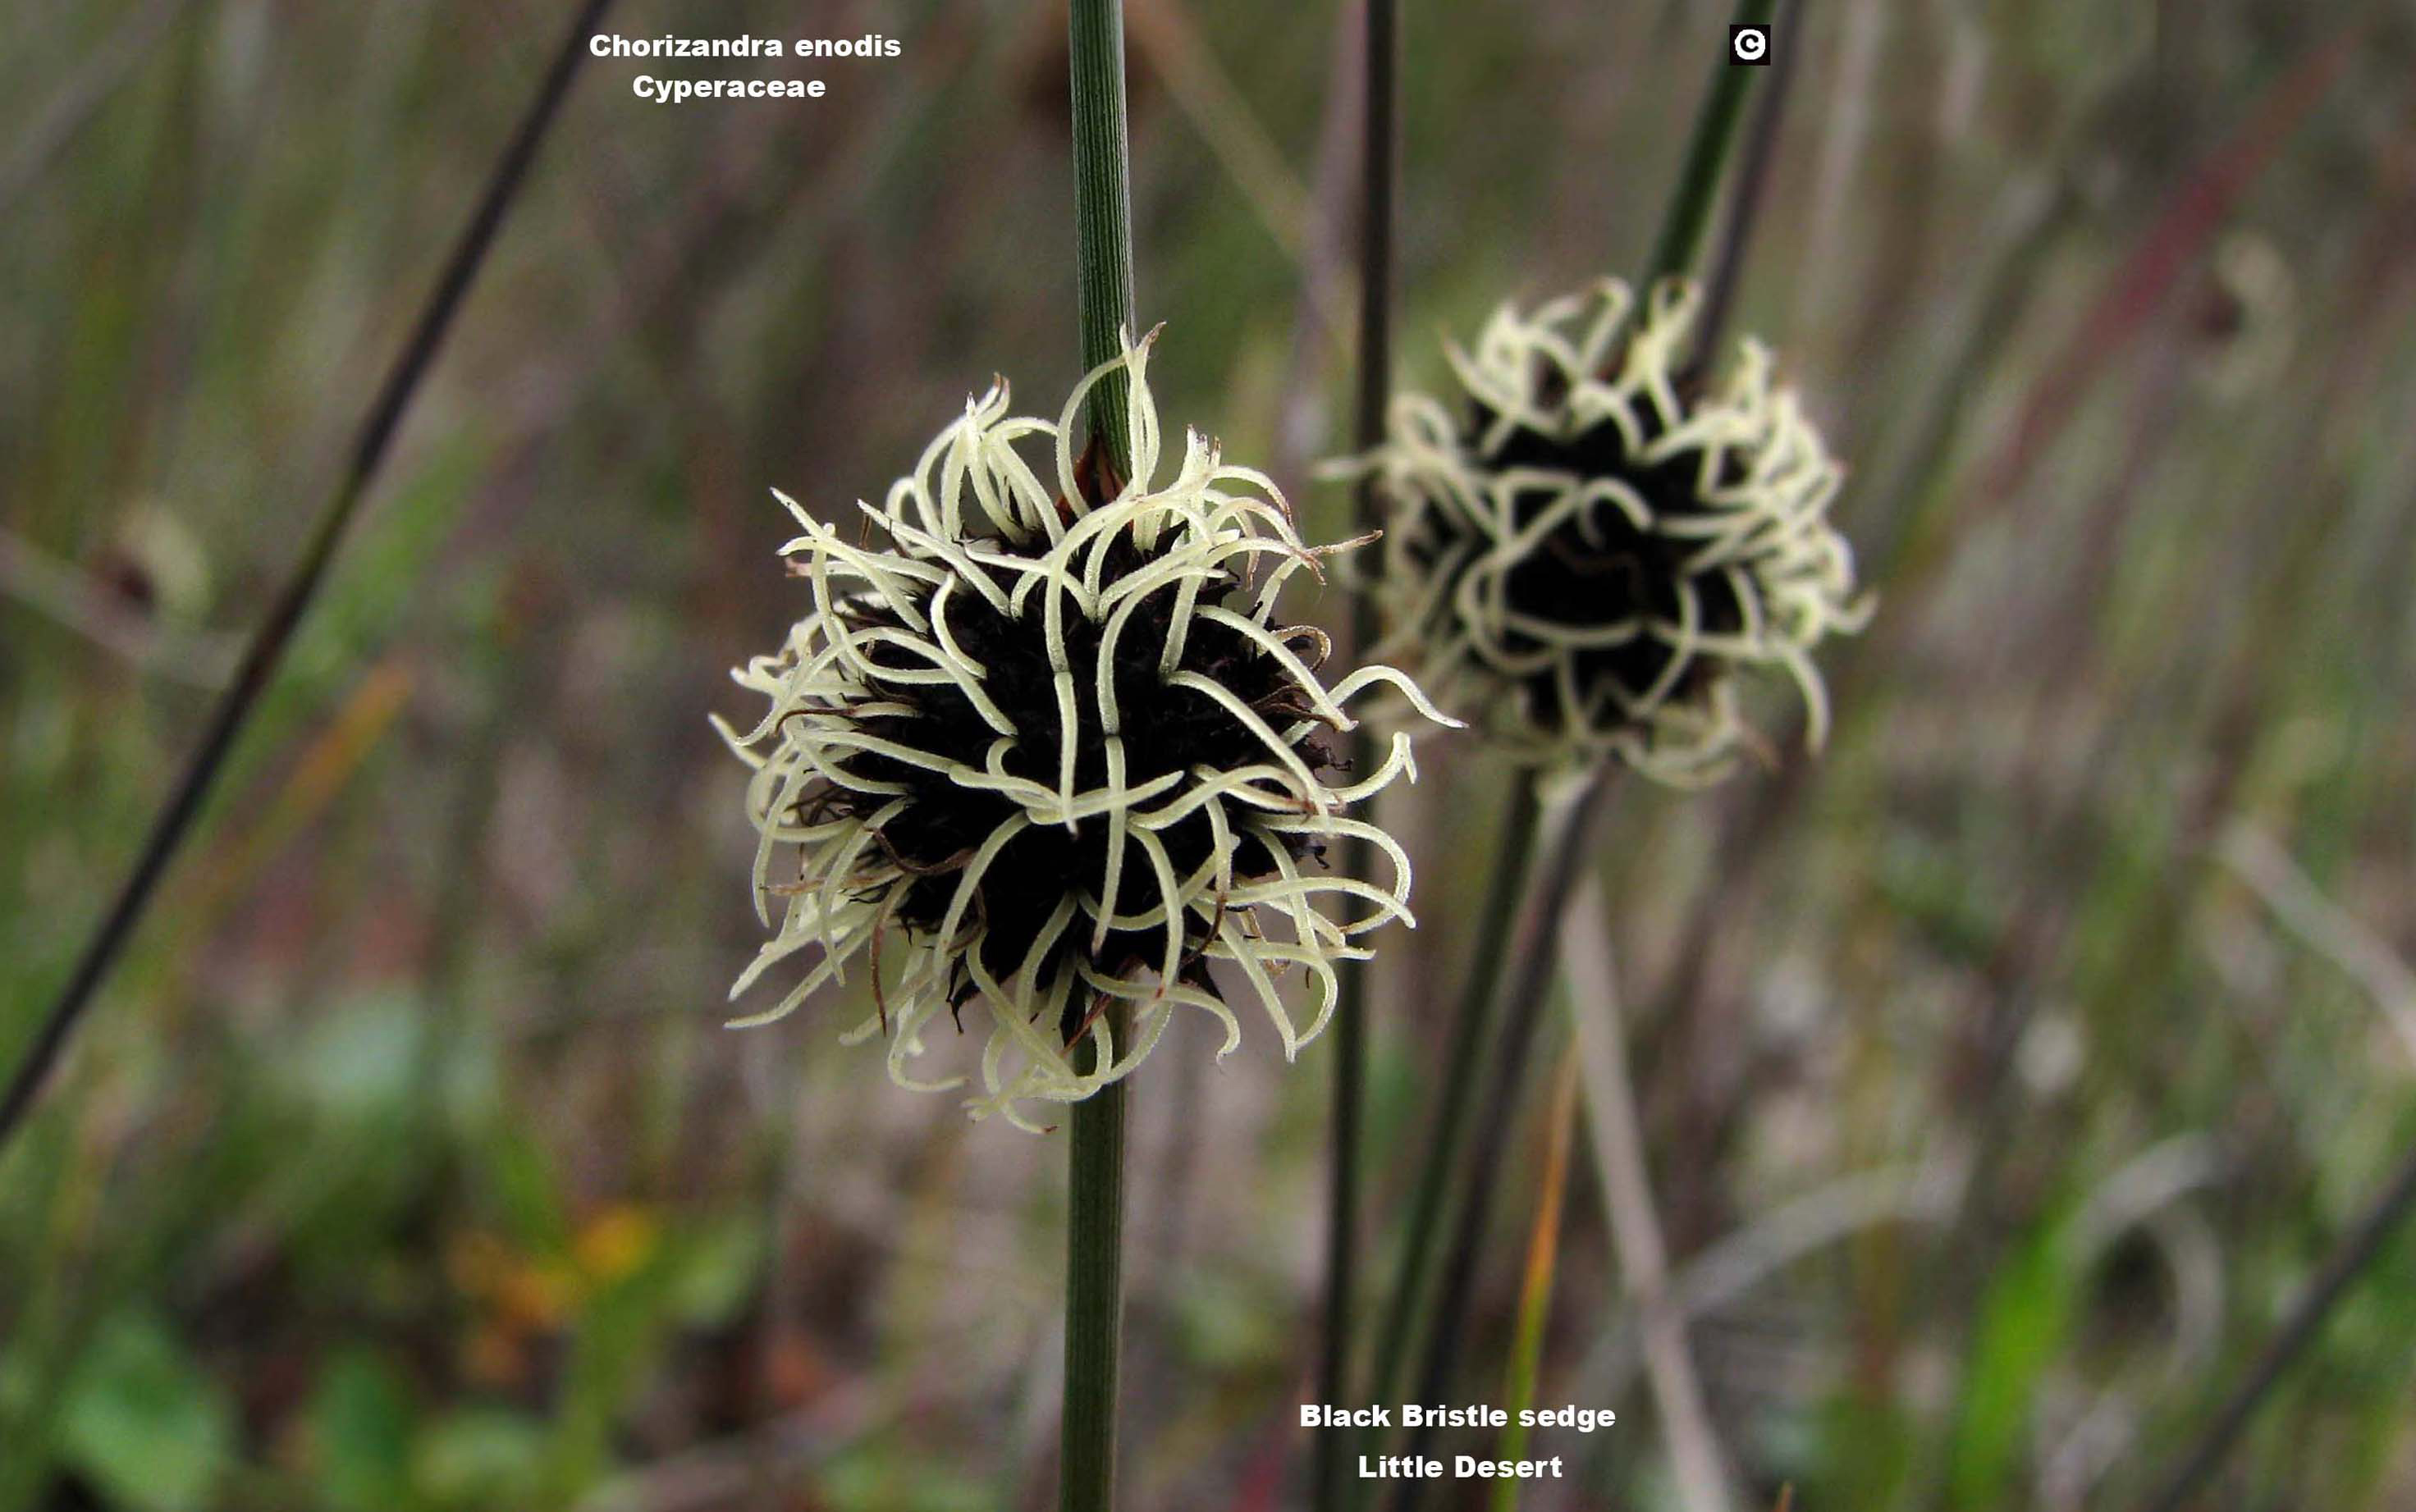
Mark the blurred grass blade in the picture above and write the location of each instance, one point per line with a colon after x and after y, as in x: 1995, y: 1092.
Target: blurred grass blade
x: 268, y: 645
x: 1636, y: 1229
x: 1536, y: 1288
x: 1564, y: 827
x: 2187, y: 224
x: 1460, y: 1066
x: 84, y: 95
x: 1168, y: 40
x: 2358, y: 1251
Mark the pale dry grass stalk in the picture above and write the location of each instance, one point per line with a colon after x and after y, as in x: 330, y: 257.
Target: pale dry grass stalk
x: 2331, y: 931
x: 75, y: 105
x: 61, y: 592
x: 1165, y: 33
x: 1728, y: 1270
x: 1588, y: 965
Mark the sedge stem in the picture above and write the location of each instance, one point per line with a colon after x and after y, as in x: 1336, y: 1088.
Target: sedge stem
x: 1508, y: 981
x: 1518, y: 991
x: 1346, y: 1158
x: 1103, y: 262
x: 1470, y: 1032
x: 1095, y: 1152
x: 1095, y: 1303
x: 1707, y: 156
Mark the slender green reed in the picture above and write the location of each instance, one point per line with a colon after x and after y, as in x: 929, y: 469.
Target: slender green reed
x: 1096, y: 1144
x: 1752, y: 176
x: 1094, y: 1299
x: 1519, y: 994
x: 1379, y: 159
x: 1103, y: 263
x: 1463, y: 1053
x: 266, y: 651
x: 1509, y: 983
x: 1707, y: 155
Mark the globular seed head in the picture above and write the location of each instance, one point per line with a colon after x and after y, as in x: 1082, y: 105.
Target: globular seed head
x: 1040, y: 744
x: 1592, y: 541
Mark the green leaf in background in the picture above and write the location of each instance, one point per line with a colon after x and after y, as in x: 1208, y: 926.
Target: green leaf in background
x: 520, y: 1179
x: 1226, y: 1321
x: 2024, y: 1322
x: 356, y: 1062
x: 143, y: 1423
x: 361, y: 1426
x: 879, y: 1478
x: 715, y: 1271
x: 481, y: 1457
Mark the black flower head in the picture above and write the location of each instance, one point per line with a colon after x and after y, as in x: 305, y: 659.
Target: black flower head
x: 1049, y: 746
x: 1591, y: 543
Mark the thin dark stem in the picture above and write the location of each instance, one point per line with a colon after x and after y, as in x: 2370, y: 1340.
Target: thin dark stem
x: 1519, y: 996
x: 1505, y: 999
x: 1380, y: 170
x: 1380, y: 153
x: 2358, y: 1251
x: 1344, y: 1161
x: 269, y: 644
x: 1103, y: 260
x: 1470, y: 1033
x: 1094, y: 1301
x: 1752, y: 181
x: 1707, y: 155
x: 1094, y: 1297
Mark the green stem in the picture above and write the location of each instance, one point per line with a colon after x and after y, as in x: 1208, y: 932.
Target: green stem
x: 1470, y: 1033
x: 1095, y: 1152
x: 1102, y: 209
x: 1095, y: 1300
x: 1501, y: 975
x: 1509, y: 983
x: 1516, y: 978
x: 1752, y: 177
x: 1707, y: 155
x: 1346, y: 1158
x: 1518, y: 992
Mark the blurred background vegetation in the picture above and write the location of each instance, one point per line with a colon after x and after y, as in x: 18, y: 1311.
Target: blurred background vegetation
x: 2004, y: 1071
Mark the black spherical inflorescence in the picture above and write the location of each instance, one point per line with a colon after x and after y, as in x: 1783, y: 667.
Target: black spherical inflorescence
x: 1592, y: 541
x: 1049, y: 748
